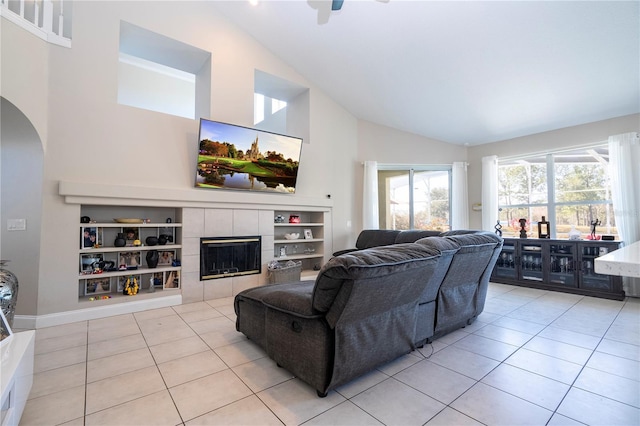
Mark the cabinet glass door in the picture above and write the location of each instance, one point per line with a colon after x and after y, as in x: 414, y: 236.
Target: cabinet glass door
x: 506, y: 263
x: 531, y: 262
x: 590, y: 279
x: 562, y: 261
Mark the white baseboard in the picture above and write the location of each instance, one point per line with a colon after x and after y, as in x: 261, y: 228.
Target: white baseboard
x: 31, y: 322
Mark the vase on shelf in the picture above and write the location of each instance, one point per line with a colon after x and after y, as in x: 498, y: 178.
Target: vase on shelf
x: 8, y: 292
x: 152, y: 258
x: 120, y: 240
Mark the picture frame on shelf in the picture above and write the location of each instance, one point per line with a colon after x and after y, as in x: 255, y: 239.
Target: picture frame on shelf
x: 308, y: 235
x: 5, y: 330
x: 131, y: 235
x: 129, y: 260
x: 166, y: 257
x: 87, y: 261
x: 173, y: 279
x: 90, y: 237
x: 100, y: 285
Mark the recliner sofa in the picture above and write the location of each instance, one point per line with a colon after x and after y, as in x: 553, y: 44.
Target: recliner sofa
x: 369, y: 306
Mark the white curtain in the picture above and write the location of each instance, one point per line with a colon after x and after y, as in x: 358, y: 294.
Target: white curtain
x: 370, y: 196
x: 459, y: 198
x: 489, y: 192
x: 624, y: 170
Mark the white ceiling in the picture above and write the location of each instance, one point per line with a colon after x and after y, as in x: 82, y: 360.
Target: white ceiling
x: 467, y: 72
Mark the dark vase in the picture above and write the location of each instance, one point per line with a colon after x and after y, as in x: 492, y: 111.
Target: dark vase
x: 162, y: 240
x: 151, y: 240
x: 120, y: 240
x: 152, y: 258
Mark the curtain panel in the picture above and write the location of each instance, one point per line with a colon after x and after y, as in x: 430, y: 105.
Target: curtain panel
x: 624, y: 161
x: 489, y: 192
x: 370, y: 218
x: 459, y: 196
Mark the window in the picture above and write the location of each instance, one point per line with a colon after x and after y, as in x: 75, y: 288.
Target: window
x: 416, y: 197
x: 570, y: 188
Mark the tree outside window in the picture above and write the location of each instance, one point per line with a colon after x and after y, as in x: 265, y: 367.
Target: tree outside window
x: 580, y: 192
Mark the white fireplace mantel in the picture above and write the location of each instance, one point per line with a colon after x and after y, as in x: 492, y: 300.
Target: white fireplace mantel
x: 116, y: 195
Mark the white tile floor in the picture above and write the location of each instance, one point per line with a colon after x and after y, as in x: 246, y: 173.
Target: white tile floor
x: 533, y: 357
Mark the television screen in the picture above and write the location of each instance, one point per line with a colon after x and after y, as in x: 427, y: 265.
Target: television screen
x: 236, y: 157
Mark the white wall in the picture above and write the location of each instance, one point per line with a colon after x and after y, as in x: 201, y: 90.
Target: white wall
x: 391, y: 146
x: 541, y: 143
x: 21, y: 188
x: 24, y: 64
x: 94, y: 140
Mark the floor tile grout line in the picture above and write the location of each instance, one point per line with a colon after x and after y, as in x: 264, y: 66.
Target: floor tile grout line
x: 565, y: 312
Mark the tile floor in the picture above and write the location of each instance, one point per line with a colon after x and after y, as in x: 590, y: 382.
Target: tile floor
x: 532, y: 357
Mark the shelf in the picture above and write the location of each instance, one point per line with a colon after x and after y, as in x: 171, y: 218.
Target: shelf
x: 138, y: 271
x: 297, y: 224
x: 130, y: 225
x: 299, y: 240
x: 300, y: 256
x: 120, y: 298
x: 129, y: 248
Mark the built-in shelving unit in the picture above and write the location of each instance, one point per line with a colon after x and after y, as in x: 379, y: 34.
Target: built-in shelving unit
x: 309, y: 247
x: 113, y: 253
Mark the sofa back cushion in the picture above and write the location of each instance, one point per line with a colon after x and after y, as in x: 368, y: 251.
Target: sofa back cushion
x: 413, y: 235
x: 376, y: 237
x: 460, y: 292
x: 373, y: 263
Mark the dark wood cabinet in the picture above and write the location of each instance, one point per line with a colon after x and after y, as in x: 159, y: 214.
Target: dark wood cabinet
x: 561, y: 265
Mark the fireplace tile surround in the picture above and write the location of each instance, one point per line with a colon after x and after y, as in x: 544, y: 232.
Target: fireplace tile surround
x: 223, y: 222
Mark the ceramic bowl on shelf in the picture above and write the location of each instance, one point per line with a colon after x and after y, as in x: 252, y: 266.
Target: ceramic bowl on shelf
x: 292, y: 236
x: 127, y: 220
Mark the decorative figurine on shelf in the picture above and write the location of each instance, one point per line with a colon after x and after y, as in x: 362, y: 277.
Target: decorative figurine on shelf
x: 294, y: 218
x: 131, y: 286
x: 543, y: 228
x: 523, y: 231
x: 498, y: 228
x: 593, y: 235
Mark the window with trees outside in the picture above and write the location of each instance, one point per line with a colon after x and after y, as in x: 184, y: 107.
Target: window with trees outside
x: 414, y: 197
x: 570, y: 189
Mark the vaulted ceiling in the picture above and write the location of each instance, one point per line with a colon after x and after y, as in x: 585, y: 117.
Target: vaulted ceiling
x: 468, y: 72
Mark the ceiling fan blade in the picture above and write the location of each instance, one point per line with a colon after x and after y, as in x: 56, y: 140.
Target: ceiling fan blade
x: 336, y: 4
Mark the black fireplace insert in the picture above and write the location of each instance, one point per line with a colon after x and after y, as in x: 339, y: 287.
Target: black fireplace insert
x: 222, y: 257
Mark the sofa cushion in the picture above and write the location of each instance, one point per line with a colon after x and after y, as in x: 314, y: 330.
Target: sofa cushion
x: 291, y: 297
x: 376, y: 237
x: 362, y: 264
x: 412, y: 235
x: 459, y: 232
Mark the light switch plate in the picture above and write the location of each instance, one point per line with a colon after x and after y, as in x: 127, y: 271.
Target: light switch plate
x: 16, y: 224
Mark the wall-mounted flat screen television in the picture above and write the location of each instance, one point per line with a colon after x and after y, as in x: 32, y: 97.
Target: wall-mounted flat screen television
x: 237, y: 157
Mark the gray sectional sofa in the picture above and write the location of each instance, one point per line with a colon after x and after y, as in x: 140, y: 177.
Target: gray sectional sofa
x: 370, y: 306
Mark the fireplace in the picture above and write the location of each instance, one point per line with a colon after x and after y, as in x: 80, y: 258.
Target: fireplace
x: 222, y: 257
